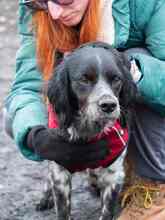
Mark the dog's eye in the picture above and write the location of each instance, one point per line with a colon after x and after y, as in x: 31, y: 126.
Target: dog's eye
x: 88, y: 78
x: 85, y: 80
x: 116, y: 84
x: 116, y: 79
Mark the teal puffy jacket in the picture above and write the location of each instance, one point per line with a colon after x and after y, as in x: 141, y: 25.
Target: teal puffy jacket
x: 138, y: 23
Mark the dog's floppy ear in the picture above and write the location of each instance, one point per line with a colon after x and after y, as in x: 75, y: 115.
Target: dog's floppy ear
x: 59, y: 95
x: 129, y: 90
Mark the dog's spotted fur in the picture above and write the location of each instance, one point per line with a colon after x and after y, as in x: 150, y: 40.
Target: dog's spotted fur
x: 88, y: 91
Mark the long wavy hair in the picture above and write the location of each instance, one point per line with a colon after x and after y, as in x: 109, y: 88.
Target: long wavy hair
x: 53, y: 36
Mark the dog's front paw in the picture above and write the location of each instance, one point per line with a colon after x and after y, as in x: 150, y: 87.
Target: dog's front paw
x: 45, y: 203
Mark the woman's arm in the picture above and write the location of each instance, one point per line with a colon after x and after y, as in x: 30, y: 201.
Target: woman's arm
x: 152, y: 67
x: 24, y: 103
x: 52, y: 144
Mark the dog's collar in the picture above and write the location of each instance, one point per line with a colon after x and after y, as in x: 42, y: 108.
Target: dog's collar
x: 116, y: 136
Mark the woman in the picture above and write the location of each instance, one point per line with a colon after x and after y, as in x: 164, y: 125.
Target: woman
x: 58, y: 27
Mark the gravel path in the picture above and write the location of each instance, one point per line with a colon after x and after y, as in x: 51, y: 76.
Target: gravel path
x: 22, y: 180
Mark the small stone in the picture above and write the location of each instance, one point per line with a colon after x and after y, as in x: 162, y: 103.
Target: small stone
x: 2, y: 29
x: 2, y: 19
x: 12, y: 22
x: 1, y: 187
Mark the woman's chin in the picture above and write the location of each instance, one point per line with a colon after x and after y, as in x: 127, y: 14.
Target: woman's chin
x: 71, y: 22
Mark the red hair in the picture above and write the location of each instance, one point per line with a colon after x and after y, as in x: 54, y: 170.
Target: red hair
x: 52, y: 35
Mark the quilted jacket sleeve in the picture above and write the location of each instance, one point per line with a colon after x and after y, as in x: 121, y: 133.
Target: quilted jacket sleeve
x: 24, y: 103
x: 152, y: 84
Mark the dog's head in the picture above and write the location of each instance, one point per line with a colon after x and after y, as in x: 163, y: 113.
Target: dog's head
x: 90, y: 88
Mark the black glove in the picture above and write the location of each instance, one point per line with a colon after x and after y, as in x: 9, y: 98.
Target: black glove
x: 51, y: 144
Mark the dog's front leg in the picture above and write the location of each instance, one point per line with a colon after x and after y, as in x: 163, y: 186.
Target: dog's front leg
x: 46, y: 202
x: 111, y: 181
x: 61, y: 189
x: 109, y: 199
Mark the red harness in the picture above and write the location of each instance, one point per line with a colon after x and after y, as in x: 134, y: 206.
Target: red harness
x: 116, y: 136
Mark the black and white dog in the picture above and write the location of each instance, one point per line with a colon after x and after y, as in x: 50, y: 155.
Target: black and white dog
x: 88, y: 92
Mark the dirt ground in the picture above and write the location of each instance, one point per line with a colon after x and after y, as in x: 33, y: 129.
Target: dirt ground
x: 21, y: 181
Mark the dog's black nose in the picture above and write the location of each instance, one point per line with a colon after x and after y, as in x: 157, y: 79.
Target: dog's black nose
x: 107, y: 106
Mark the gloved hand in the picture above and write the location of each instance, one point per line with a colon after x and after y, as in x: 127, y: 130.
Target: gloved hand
x: 50, y: 144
